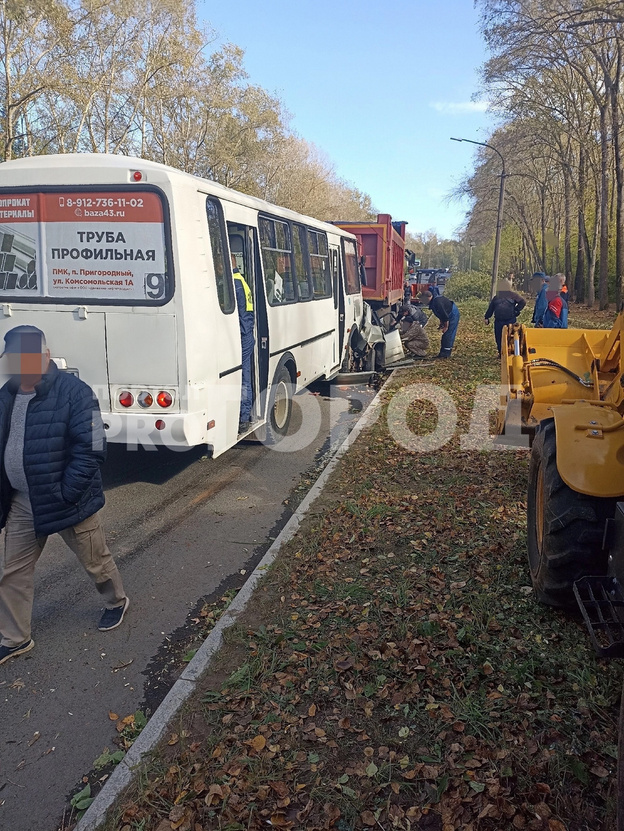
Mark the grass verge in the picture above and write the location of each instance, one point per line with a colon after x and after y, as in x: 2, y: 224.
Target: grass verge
x: 394, y: 670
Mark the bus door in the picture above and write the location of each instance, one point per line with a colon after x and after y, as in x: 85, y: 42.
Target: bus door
x: 339, y: 300
x: 244, y: 247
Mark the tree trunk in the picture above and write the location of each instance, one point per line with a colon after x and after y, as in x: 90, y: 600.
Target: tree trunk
x: 619, y: 180
x: 523, y: 266
x: 591, y: 277
x: 556, y: 248
x: 579, y: 278
x: 603, y: 295
x: 528, y: 234
x: 582, y: 257
x: 567, y: 241
x: 591, y: 285
x: 543, y: 227
x: 5, y: 109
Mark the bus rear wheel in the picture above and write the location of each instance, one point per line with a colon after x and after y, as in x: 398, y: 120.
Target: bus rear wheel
x: 565, y: 528
x: 280, y: 408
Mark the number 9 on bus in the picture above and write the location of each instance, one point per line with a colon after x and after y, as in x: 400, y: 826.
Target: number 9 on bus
x: 155, y: 286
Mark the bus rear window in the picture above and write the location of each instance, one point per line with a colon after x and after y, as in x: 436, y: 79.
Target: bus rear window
x: 105, y: 246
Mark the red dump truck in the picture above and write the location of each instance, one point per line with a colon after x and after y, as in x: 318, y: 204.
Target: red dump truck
x: 382, y: 243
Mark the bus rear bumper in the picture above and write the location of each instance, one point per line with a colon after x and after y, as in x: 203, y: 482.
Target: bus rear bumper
x: 174, y: 430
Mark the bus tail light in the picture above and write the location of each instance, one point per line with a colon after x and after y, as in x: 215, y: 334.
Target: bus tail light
x: 164, y: 399
x: 160, y: 424
x: 126, y: 399
x: 145, y: 399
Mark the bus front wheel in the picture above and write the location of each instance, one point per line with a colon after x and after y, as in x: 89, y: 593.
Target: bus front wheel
x: 280, y: 409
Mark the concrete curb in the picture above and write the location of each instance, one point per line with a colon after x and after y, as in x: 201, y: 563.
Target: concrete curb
x: 184, y: 686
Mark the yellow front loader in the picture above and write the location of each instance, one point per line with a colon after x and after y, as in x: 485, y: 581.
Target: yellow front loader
x: 565, y: 389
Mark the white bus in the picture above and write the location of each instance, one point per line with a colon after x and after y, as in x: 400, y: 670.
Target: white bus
x: 126, y: 266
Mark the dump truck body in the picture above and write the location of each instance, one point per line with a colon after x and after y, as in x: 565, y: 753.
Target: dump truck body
x: 382, y: 243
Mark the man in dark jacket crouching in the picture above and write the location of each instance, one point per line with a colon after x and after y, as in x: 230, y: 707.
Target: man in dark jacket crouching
x: 51, y: 448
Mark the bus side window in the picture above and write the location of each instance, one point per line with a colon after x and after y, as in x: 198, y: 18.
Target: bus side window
x: 276, y: 251
x: 302, y: 268
x: 352, y: 279
x: 222, y: 270
x: 319, y: 264
x: 334, y: 255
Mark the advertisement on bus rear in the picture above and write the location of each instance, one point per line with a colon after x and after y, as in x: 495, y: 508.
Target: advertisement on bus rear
x: 96, y: 246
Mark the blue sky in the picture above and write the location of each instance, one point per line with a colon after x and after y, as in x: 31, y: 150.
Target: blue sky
x: 379, y: 86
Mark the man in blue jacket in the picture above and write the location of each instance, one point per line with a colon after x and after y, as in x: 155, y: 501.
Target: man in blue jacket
x: 541, y: 302
x: 448, y: 314
x: 51, y: 448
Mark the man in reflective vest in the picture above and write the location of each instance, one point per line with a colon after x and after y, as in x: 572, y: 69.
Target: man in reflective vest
x: 244, y: 303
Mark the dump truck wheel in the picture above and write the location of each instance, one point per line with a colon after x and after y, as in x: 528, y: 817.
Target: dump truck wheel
x: 565, y: 528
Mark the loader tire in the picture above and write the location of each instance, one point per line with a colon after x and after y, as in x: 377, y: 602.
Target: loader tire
x: 565, y: 528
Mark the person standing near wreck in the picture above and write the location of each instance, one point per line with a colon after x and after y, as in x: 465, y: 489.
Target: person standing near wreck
x: 506, y: 305
x: 448, y: 314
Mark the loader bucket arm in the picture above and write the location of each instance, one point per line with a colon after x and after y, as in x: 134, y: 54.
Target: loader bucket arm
x: 574, y: 376
x: 541, y: 368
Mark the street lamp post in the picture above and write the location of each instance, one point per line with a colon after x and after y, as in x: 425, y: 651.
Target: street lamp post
x: 499, y: 218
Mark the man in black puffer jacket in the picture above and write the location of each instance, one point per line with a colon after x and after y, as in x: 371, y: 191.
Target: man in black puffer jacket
x: 506, y: 305
x: 51, y: 447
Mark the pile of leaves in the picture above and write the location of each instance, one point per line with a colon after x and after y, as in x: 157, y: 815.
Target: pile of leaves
x: 394, y: 669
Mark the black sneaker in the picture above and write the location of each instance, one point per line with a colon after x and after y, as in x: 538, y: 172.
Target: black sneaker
x: 113, y: 617
x: 7, y: 652
x: 243, y: 427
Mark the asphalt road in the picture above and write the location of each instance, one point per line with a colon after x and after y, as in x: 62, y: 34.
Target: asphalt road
x: 183, y: 529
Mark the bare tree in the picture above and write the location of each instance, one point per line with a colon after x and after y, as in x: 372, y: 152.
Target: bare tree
x: 558, y: 62
x: 33, y: 35
x: 137, y: 77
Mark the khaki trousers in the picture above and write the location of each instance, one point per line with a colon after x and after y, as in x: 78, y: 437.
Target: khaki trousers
x: 22, y: 549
